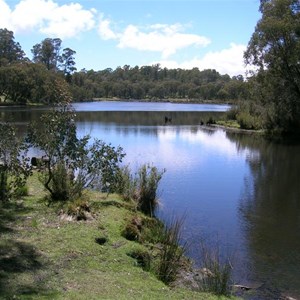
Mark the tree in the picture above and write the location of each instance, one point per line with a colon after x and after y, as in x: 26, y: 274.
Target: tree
x: 48, y: 53
x: 28, y: 82
x: 72, y: 163
x: 274, y: 49
x: 15, y: 85
x: 68, y: 63
x: 14, y: 167
x: 10, y: 51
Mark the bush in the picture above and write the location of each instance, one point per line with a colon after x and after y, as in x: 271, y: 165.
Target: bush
x: 248, y: 121
x: 14, y: 167
x: 60, y: 183
x: 125, y: 184
x: 152, y: 230
x: 231, y: 114
x: 171, y: 253
x: 147, y: 184
x: 73, y: 164
x: 218, y: 277
x: 142, y: 188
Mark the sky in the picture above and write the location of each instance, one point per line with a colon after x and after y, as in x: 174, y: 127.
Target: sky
x: 112, y: 33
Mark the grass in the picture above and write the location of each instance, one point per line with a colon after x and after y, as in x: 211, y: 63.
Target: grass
x: 43, y: 256
x: 229, y: 123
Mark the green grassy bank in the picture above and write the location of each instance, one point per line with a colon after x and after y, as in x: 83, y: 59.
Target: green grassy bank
x: 45, y: 256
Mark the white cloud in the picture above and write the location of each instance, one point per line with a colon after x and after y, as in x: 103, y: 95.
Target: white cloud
x: 4, y: 14
x: 104, y: 30
x: 163, y: 38
x: 227, y: 61
x: 47, y: 17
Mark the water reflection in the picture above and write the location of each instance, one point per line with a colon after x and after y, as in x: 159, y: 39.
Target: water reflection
x: 243, y: 189
x: 147, y: 106
x: 270, y: 209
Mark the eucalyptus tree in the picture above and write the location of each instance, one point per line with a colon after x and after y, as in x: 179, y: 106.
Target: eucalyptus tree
x: 68, y: 63
x: 274, y: 49
x: 10, y: 51
x: 48, y: 53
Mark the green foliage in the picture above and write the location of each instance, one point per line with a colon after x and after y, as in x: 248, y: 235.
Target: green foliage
x: 167, y: 259
x: 141, y: 187
x: 156, y: 83
x: 147, y: 184
x: 217, y: 277
x: 171, y: 253
x: 73, y: 163
x: 125, y: 183
x: 10, y: 51
x: 248, y: 121
x: 274, y: 51
x: 22, y: 81
x: 48, y: 53
x: 28, y: 82
x: 152, y: 230
x: 14, y: 168
x: 22, y: 191
x: 248, y: 115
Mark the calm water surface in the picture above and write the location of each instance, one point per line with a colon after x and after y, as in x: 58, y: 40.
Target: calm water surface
x: 239, y: 191
x: 147, y: 106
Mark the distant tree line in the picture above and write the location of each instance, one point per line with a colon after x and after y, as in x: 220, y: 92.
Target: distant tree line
x: 52, y: 72
x: 156, y: 83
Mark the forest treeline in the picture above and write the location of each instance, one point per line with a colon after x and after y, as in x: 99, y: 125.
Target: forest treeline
x: 268, y: 99
x: 156, y: 83
x: 52, y: 69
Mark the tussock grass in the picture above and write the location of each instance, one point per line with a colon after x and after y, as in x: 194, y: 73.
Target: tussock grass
x: 45, y: 257
x: 218, y: 276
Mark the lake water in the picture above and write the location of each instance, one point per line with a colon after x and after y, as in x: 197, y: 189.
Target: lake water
x: 239, y: 191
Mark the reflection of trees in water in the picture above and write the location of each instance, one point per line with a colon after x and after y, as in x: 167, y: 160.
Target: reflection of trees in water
x: 112, y: 119
x: 270, y: 210
x: 153, y: 118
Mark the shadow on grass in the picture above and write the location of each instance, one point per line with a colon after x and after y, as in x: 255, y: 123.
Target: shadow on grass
x: 9, y: 213
x: 22, y: 268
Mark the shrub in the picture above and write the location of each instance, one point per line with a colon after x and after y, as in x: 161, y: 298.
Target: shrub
x: 60, y: 183
x: 14, y: 167
x: 152, y: 230
x: 171, y: 253
x: 147, y: 184
x: 248, y: 121
x: 218, y: 278
x: 231, y: 114
x: 125, y: 183
x: 142, y: 188
x: 73, y: 164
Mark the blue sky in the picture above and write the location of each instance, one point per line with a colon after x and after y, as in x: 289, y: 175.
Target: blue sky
x: 111, y: 33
